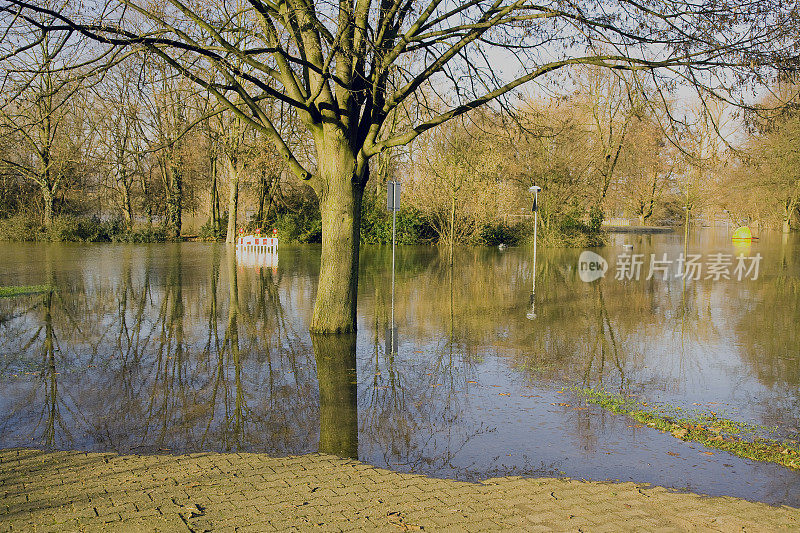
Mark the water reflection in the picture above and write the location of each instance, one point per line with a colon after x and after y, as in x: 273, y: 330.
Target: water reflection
x: 338, y: 394
x: 179, y: 348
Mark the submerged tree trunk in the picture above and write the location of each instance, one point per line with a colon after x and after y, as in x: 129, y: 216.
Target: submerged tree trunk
x: 340, y: 190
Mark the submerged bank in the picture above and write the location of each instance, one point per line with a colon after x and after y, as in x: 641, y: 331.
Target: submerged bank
x: 740, y: 439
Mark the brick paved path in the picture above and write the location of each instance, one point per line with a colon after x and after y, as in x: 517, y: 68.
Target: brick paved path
x: 72, y: 491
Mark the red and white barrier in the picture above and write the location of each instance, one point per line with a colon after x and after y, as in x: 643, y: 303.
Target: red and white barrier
x: 253, y: 243
x: 257, y: 251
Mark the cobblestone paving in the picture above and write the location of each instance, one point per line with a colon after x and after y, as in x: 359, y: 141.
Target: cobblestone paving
x: 75, y: 491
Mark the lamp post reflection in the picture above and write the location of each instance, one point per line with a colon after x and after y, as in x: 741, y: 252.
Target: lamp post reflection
x: 338, y: 394
x: 391, y: 333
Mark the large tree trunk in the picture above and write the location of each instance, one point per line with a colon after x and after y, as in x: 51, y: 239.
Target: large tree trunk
x: 340, y: 191
x: 233, y: 199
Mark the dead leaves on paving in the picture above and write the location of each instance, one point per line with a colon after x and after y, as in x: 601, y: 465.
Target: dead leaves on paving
x: 397, y: 520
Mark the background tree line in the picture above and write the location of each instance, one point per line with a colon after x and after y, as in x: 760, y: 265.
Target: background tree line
x: 137, y: 154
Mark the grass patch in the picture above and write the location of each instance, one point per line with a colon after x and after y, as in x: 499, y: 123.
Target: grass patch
x: 7, y: 292
x: 707, y: 429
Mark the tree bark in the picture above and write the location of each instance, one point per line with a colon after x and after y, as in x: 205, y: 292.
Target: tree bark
x: 787, y: 220
x: 340, y: 190
x: 233, y: 199
x: 148, y: 204
x: 174, y: 201
x: 273, y: 188
x: 128, y: 203
x: 452, y: 226
x: 262, y: 194
x: 214, y: 199
x: 47, y: 199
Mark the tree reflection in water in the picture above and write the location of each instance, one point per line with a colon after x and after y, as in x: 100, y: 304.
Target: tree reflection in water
x: 338, y: 394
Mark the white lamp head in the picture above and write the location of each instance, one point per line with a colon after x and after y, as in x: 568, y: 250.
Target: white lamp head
x: 534, y: 188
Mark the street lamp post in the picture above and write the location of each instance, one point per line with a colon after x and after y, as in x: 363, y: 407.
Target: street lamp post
x: 393, y: 205
x: 535, y: 190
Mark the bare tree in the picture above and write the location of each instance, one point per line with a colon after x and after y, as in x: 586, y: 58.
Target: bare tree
x: 704, y: 151
x: 457, y: 164
x: 646, y: 169
x: 610, y: 101
x: 331, y: 63
x: 170, y: 113
x: 121, y: 139
x: 39, y: 111
x: 235, y: 143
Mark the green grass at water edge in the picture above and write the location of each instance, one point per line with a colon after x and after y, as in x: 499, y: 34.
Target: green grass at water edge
x: 707, y: 429
x: 7, y: 292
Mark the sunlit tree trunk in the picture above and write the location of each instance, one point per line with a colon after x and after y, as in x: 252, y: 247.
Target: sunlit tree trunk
x: 47, y: 201
x: 174, y: 199
x: 787, y: 219
x: 233, y: 197
x: 148, y: 204
x: 215, y: 218
x: 340, y: 190
x: 127, y: 202
x: 452, y: 225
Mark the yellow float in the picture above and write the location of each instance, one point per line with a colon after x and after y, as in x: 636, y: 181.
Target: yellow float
x: 743, y: 234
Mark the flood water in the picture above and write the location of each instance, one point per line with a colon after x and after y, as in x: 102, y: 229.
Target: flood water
x: 179, y: 348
